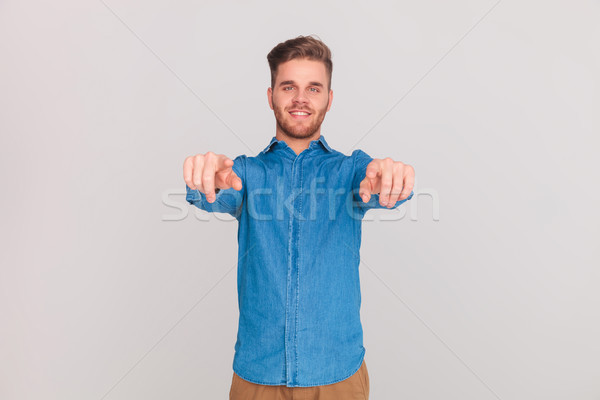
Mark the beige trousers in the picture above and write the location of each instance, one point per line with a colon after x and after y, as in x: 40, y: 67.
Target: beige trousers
x: 355, y: 387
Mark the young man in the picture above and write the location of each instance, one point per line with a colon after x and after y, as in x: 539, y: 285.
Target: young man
x: 299, y: 206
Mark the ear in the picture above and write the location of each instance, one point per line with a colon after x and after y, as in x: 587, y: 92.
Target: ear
x: 330, y: 99
x: 270, y: 97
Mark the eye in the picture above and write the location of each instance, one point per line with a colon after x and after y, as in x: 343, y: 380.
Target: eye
x: 314, y: 90
x: 287, y: 87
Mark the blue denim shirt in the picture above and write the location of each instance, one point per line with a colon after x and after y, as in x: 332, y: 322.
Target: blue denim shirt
x: 299, y: 233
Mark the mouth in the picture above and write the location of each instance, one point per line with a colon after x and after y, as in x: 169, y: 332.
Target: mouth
x: 299, y: 114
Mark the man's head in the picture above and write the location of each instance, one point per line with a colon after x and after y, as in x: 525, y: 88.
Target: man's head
x: 300, y: 83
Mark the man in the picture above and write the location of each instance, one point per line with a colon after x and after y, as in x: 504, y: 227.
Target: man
x: 299, y: 205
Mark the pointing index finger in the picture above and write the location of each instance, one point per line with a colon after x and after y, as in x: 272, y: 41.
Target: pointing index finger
x: 373, y: 169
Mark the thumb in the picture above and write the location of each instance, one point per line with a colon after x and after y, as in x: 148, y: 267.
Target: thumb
x: 373, y: 169
x: 365, y: 190
x: 369, y: 183
x: 224, y: 163
x: 234, y: 181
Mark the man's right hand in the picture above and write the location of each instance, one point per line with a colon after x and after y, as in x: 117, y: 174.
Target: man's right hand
x: 209, y: 171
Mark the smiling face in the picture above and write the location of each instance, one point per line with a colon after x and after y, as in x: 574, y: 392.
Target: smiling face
x: 300, y: 98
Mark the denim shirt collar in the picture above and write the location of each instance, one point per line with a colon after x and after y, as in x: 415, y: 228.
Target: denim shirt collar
x: 321, y: 140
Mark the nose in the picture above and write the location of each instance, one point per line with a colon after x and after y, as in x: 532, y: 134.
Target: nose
x: 300, y: 98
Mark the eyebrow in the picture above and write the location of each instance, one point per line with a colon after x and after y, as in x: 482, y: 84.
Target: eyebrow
x: 309, y: 83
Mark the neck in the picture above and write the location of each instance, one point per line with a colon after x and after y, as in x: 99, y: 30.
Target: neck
x: 297, y: 144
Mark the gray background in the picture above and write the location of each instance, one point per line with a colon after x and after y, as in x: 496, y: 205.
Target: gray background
x: 490, y: 292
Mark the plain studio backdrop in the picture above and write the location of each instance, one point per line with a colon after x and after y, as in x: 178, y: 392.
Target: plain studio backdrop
x: 484, y: 286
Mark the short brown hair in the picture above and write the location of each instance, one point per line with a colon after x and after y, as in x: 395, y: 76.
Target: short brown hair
x: 300, y: 47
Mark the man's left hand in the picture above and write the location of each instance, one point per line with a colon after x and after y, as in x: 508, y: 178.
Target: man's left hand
x: 393, y: 180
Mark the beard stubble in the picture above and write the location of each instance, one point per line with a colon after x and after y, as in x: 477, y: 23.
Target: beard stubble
x: 298, y: 130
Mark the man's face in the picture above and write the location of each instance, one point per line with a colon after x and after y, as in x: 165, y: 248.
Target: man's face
x: 300, y: 87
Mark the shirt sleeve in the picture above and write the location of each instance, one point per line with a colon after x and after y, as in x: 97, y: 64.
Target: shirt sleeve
x: 361, y: 161
x: 226, y: 200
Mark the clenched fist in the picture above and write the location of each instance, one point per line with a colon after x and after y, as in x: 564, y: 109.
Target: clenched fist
x: 210, y: 171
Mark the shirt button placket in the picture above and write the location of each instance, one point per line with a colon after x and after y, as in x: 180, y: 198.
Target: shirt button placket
x: 292, y: 273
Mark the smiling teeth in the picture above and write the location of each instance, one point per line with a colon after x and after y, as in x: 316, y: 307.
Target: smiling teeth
x: 299, y: 113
